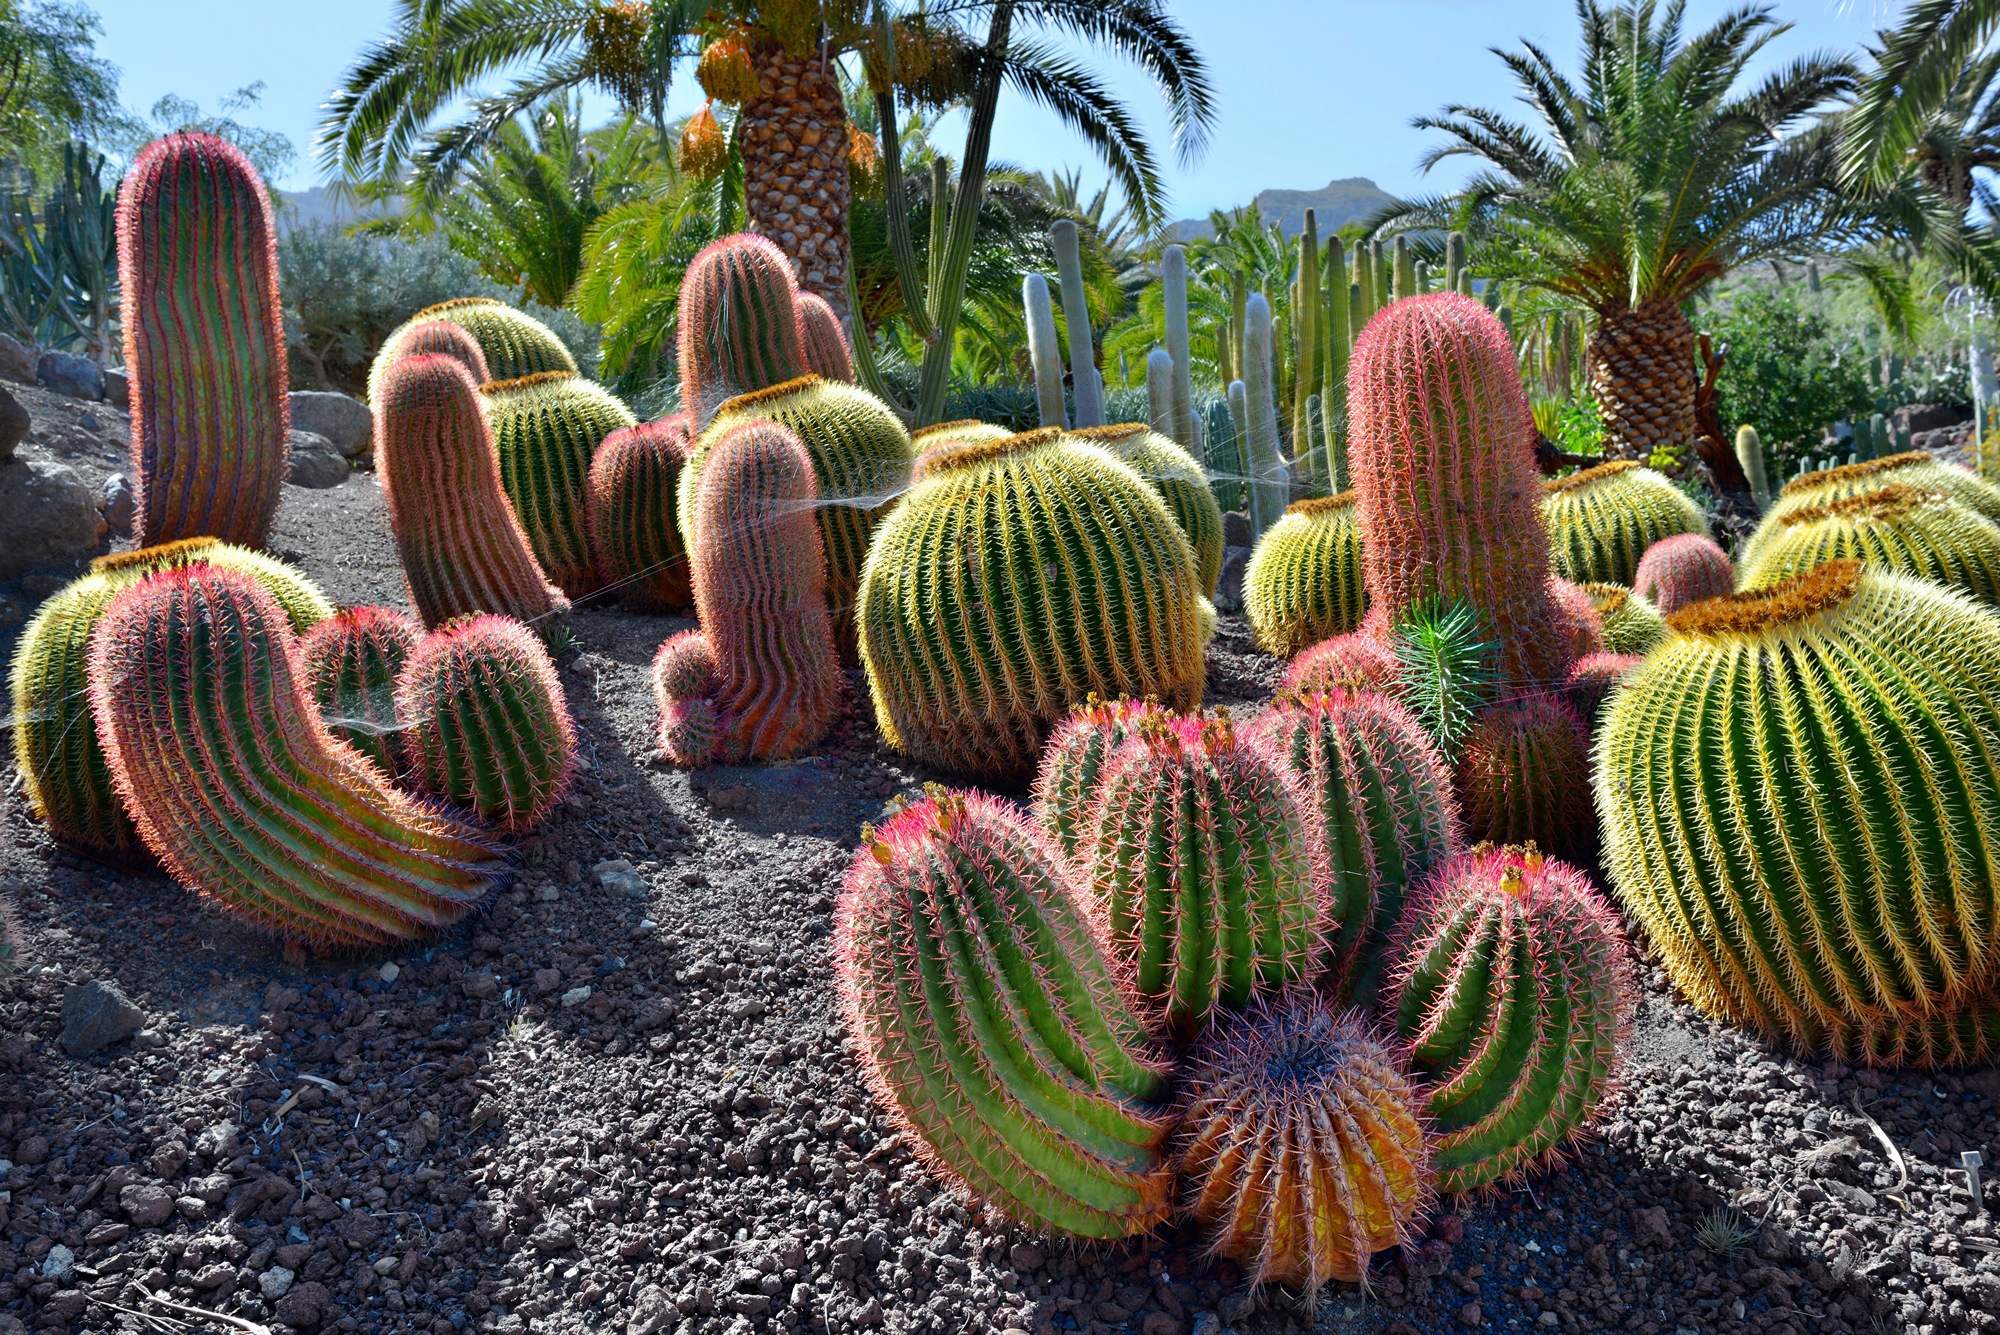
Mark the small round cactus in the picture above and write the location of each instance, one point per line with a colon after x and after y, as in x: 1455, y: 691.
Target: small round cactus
x: 352, y: 659
x: 1181, y: 482
x: 1303, y: 1146
x: 1631, y: 624
x: 1895, y: 528
x: 1073, y: 764
x: 511, y: 343
x: 684, y: 682
x: 1513, y: 990
x: 1303, y: 584
x: 1355, y: 662
x: 1602, y: 520
x: 1683, y: 569
x: 546, y: 429
x: 1592, y: 680
x: 630, y: 511
x: 1524, y: 775
x: 485, y: 722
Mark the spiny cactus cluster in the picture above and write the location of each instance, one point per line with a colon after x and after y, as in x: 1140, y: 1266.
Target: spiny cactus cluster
x: 1897, y: 528
x: 632, y: 512
x: 352, y: 659
x: 546, y: 428
x: 1601, y: 521
x: 1304, y: 582
x: 428, y: 338
x: 511, y: 343
x: 204, y: 343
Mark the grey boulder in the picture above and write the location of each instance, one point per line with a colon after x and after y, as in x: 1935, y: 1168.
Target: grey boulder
x: 48, y: 516
x: 96, y: 1015
x: 341, y: 418
x: 315, y: 462
x: 13, y: 424
x: 17, y: 361
x: 72, y: 376
x: 119, y: 504
x: 118, y: 389
x: 1229, y: 589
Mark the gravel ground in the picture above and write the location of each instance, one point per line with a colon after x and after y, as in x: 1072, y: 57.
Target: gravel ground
x: 621, y: 1101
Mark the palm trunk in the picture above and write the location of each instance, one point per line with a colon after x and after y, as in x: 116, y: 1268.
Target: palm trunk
x: 1642, y: 373
x: 795, y: 186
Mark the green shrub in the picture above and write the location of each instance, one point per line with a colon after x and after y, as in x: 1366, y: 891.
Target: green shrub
x: 1786, y: 375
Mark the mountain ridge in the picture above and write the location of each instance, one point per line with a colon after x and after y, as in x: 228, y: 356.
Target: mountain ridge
x: 1337, y: 203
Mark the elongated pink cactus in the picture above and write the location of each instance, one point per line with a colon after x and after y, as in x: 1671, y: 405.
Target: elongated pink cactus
x: 739, y: 329
x: 204, y: 343
x: 352, y: 659
x: 1683, y: 569
x: 462, y: 548
x: 827, y: 353
x: 1449, y: 499
x: 759, y: 589
x: 629, y: 502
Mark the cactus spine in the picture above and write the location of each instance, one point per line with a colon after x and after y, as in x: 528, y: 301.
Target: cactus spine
x: 1514, y: 991
x: 990, y: 1026
x: 1008, y: 586
x: 1855, y: 912
x: 760, y: 592
x: 1174, y: 294
x: 1683, y: 569
x: 824, y: 341
x: 461, y: 547
x: 204, y: 343
x: 57, y: 751
x: 1750, y: 454
x: 546, y: 428
x: 938, y: 446
x: 217, y: 750
x: 1172, y: 472
x: 1270, y: 486
x: 511, y: 343
x: 1303, y: 1146
x: 631, y: 509
x: 1304, y: 583
x: 1594, y: 677
x: 1895, y: 527
x: 1602, y: 520
x: 739, y: 323
x: 486, y: 724
x: 1084, y: 387
x: 1207, y: 865
x: 352, y: 659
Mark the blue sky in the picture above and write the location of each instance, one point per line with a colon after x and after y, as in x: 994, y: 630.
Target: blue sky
x: 1308, y: 90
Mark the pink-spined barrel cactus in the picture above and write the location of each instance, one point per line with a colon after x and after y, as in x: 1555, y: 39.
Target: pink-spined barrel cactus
x: 204, y: 343
x: 739, y: 330
x: 1684, y: 569
x: 352, y: 659
x: 1073, y: 763
x: 1357, y: 662
x: 1593, y: 679
x: 1524, y: 776
x: 635, y: 537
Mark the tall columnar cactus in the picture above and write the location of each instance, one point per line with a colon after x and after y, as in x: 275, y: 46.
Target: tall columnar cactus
x: 1632, y: 625
x: 1913, y: 468
x: 739, y: 329
x: 1683, y: 569
x: 215, y: 744
x: 1514, y: 990
x: 1602, y: 520
x: 56, y: 747
x: 1207, y: 866
x: 1044, y: 351
x: 1007, y: 587
x: 990, y: 1025
x: 1403, y: 266
x: 511, y: 343
x: 1174, y: 295
x: 1445, y: 479
x: 1339, y: 338
x: 1524, y: 776
x: 824, y: 341
x: 1073, y: 764
x: 1303, y: 583
x: 485, y: 722
x: 773, y: 678
x: 861, y: 458
x: 631, y: 510
x: 546, y: 430
x: 1303, y: 1146
x: 1855, y: 912
x: 1159, y: 393
x: 428, y: 338
x: 1222, y: 452
x: 204, y: 343
x: 1382, y: 794
x: 1270, y: 485
x: 1346, y: 662
x: 1750, y: 455
x: 1181, y: 482
x: 1895, y: 527
x: 1306, y: 338
x: 1084, y: 387
x: 462, y: 548
x: 1454, y: 260
x: 352, y: 659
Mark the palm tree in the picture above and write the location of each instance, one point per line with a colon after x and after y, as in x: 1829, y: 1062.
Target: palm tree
x: 1651, y: 177
x: 1924, y: 103
x: 777, y: 60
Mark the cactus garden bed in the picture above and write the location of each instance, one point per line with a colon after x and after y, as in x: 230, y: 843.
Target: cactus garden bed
x: 623, y: 1100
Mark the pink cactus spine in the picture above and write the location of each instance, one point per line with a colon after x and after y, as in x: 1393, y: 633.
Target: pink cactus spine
x: 1524, y: 776
x: 759, y: 589
x: 827, y: 353
x: 1073, y: 763
x: 739, y: 323
x: 462, y: 548
x: 441, y: 338
x: 353, y: 657
x: 215, y: 744
x: 629, y: 502
x: 1683, y: 569
x: 1580, y: 616
x: 1445, y: 479
x: 204, y: 343
x: 1356, y: 662
x: 1592, y: 680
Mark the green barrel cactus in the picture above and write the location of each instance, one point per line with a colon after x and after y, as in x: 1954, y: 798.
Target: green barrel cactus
x: 937, y: 446
x: 1181, y: 483
x: 1800, y: 800
x: 861, y: 460
x: 1007, y: 588
x: 352, y: 659
x: 1911, y: 468
x: 1896, y: 528
x: 1304, y: 583
x: 216, y: 747
x: 56, y: 747
x: 1514, y: 990
x: 990, y: 1025
x: 511, y: 343
x: 546, y: 429
x: 1073, y: 764
x: 1602, y: 520
x: 1632, y: 625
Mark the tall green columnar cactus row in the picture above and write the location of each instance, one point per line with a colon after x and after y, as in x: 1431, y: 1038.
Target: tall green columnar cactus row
x: 1044, y: 352
x: 485, y: 724
x: 1172, y: 472
x: 1306, y: 336
x: 511, y: 343
x: 861, y: 458
x: 1084, y: 386
x: 1382, y: 796
x: 1202, y: 851
x: 1445, y: 477
x: 1010, y: 583
x: 1855, y: 912
x: 1602, y: 520
x: 990, y: 1025
x: 824, y: 341
x: 352, y: 659
x: 215, y: 744
x: 764, y: 680
x: 632, y: 510
x: 462, y: 548
x: 1303, y: 583
x: 1270, y: 485
x: 546, y: 429
x: 1894, y: 527
x: 56, y: 747
x: 739, y: 323
x: 204, y: 343
x: 1174, y: 295
x: 1513, y: 991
